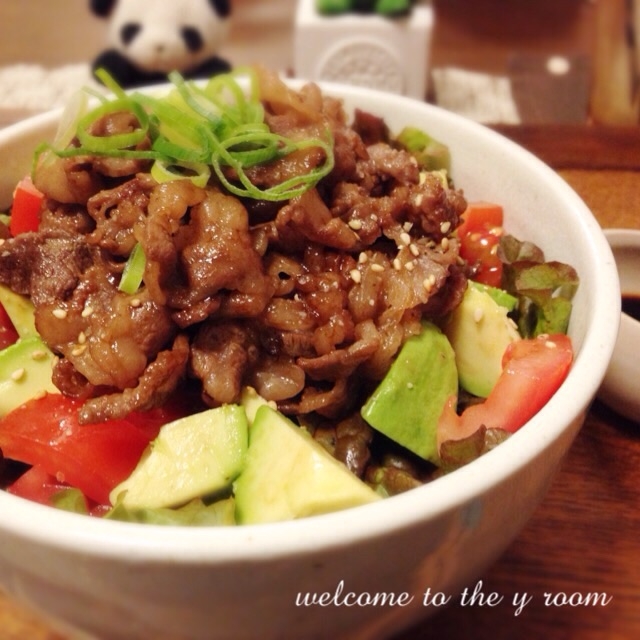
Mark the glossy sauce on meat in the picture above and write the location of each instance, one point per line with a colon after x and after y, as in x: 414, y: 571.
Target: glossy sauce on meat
x: 307, y: 300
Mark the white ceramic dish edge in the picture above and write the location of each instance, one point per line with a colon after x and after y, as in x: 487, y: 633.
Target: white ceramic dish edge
x: 593, y: 334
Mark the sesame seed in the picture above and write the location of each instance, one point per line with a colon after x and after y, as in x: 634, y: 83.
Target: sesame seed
x: 356, y: 276
x: 82, y: 337
x: 1, y: 241
x: 18, y: 374
x: 478, y: 314
x: 409, y: 385
x: 79, y: 350
x: 355, y: 224
x: 445, y: 226
x: 38, y: 354
x: 550, y: 344
x: 372, y: 302
x: 61, y: 314
x: 407, y: 226
x: 414, y: 249
x: 378, y: 268
x: 426, y: 283
x: 86, y: 312
x: 405, y: 238
x: 397, y: 265
x: 410, y: 266
x: 444, y: 243
x: 419, y: 197
x: 362, y: 258
x: 135, y: 303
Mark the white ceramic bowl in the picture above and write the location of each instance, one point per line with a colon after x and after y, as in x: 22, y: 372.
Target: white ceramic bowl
x: 619, y: 389
x: 125, y: 581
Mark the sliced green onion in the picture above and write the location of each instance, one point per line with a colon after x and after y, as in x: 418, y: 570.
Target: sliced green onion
x: 174, y: 124
x: 117, y: 141
x: 198, y: 172
x: 197, y: 130
x: 75, y: 109
x: 108, y: 81
x: 287, y: 189
x: 74, y: 152
x: 133, y: 271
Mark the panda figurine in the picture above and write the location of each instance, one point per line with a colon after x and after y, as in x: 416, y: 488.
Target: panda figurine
x: 147, y: 39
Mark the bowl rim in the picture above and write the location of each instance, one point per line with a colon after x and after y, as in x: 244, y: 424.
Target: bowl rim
x: 135, y: 542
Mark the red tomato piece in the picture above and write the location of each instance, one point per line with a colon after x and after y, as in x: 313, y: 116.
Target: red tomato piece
x: 480, y: 216
x: 479, y: 235
x: 533, y: 369
x: 36, y: 485
x: 94, y: 458
x: 26, y: 207
x: 8, y: 333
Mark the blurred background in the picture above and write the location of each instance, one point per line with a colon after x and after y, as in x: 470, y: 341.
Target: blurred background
x: 550, y: 60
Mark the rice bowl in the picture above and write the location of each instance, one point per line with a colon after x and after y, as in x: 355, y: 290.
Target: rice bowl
x: 117, y: 580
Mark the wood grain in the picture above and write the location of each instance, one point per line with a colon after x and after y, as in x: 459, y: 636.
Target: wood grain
x: 573, y: 146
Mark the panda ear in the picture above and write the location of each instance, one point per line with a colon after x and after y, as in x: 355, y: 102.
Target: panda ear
x: 102, y: 8
x: 221, y: 7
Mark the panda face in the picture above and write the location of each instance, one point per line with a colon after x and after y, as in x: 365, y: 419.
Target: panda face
x: 160, y: 36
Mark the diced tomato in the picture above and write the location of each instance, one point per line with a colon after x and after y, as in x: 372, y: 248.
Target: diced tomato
x: 8, y: 333
x: 26, y: 207
x: 479, y: 235
x: 533, y: 369
x: 37, y: 485
x: 94, y: 458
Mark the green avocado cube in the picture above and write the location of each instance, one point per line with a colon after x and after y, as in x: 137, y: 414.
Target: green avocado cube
x: 407, y: 404
x: 20, y: 311
x: 192, y: 457
x: 480, y: 331
x: 25, y: 372
x: 288, y: 475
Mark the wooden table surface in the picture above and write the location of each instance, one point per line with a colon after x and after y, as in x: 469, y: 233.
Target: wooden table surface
x: 584, y: 540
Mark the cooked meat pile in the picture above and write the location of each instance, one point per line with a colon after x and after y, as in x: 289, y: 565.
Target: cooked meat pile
x: 307, y: 300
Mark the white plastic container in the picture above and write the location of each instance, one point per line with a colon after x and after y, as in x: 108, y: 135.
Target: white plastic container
x: 368, y: 50
x: 620, y: 388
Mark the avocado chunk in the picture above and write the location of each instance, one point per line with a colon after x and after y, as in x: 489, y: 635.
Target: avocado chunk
x: 408, y: 402
x: 289, y: 475
x: 502, y: 297
x: 480, y: 330
x: 199, y: 455
x: 20, y: 311
x: 251, y: 400
x: 25, y: 372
